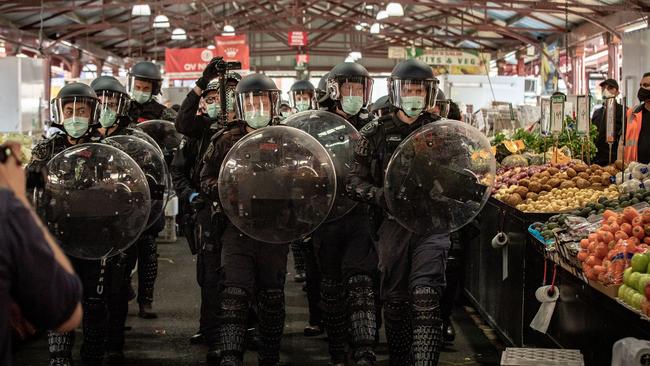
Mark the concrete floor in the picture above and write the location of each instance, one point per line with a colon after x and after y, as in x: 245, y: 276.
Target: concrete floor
x: 164, y: 341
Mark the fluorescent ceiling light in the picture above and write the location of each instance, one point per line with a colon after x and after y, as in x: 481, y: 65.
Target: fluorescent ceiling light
x: 161, y: 21
x: 369, y: 7
x: 383, y: 14
x: 358, y: 27
x: 228, y: 29
x: 349, y: 59
x: 395, y: 10
x: 636, y: 27
x: 141, y: 10
x: 179, y: 34
x: 375, y: 28
x: 210, y: 46
x: 355, y: 55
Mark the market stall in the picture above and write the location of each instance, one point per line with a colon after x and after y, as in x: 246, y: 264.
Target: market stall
x: 555, y: 220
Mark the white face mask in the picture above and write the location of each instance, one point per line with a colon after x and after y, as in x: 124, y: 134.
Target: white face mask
x: 608, y: 94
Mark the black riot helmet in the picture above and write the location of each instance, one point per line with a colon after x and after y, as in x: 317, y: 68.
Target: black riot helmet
x: 350, y: 72
x: 381, y: 106
x: 302, y: 96
x: 257, y: 100
x: 146, y: 71
x: 321, y: 90
x: 113, y: 98
x: 412, y: 87
x: 75, y: 109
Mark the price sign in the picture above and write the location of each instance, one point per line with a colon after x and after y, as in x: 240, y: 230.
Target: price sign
x: 583, y: 110
x: 557, y: 114
x: 545, y: 120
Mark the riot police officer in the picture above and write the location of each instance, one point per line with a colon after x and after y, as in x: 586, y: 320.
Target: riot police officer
x: 144, y: 84
x: 114, y: 105
x: 75, y: 113
x: 285, y: 109
x: 302, y: 96
x: 347, y: 257
x: 201, y: 232
x: 252, y: 270
x: 412, y: 266
x: 206, y: 92
x: 114, y: 120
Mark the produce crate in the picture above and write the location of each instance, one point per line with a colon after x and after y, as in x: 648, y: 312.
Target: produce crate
x: 610, y: 291
x: 541, y: 357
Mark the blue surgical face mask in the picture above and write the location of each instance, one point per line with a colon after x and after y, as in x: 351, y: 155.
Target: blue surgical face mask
x: 214, y: 109
x: 257, y: 119
x: 412, y: 105
x: 107, y: 118
x: 76, y: 127
x: 351, y: 104
x: 140, y: 96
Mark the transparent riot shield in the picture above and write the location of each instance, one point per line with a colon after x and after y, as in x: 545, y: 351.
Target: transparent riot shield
x: 152, y: 164
x: 440, y: 177
x: 338, y: 137
x: 95, y: 201
x: 277, y: 184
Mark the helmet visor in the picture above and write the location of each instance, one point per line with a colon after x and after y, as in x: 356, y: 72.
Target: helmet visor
x: 413, y: 96
x: 117, y: 102
x: 262, y: 105
x: 351, y: 86
x: 302, y: 100
x: 67, y: 108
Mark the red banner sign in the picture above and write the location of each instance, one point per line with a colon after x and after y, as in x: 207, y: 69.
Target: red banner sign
x: 233, y: 48
x: 298, y: 39
x: 186, y: 63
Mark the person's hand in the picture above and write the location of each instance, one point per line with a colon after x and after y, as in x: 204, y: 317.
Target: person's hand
x: 12, y: 174
x: 18, y: 323
x: 210, y: 72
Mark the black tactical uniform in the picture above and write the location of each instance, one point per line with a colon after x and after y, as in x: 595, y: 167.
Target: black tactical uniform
x: 251, y: 270
x: 347, y: 256
x: 147, y: 258
x: 412, y: 266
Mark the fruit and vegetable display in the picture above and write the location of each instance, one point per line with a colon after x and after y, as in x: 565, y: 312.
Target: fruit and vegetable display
x: 521, y: 141
x: 609, y: 242
x: 555, y: 187
x: 635, y: 177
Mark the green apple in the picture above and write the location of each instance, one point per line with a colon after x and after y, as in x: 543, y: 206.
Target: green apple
x: 639, y: 262
x: 643, y: 281
x: 621, y: 291
x: 634, y: 279
x: 626, y: 275
x: 636, y: 300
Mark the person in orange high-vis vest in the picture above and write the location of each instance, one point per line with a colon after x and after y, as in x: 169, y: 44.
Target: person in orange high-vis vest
x: 637, y: 135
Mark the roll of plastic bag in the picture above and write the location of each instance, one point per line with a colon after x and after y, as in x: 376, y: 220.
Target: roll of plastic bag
x: 547, y: 295
x: 630, y: 352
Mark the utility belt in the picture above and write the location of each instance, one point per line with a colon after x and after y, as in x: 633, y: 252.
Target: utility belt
x: 204, y: 225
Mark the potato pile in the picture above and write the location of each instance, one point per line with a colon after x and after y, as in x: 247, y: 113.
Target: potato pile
x: 560, y: 188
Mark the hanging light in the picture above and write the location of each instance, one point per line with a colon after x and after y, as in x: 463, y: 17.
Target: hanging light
x: 349, y: 59
x: 228, y: 29
x: 161, y: 21
x: 141, y: 10
x: 382, y: 14
x: 358, y: 27
x: 210, y: 46
x: 355, y: 55
x: 375, y: 28
x: 369, y: 6
x: 179, y: 34
x: 395, y: 10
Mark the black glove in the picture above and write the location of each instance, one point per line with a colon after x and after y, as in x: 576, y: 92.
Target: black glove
x: 210, y: 72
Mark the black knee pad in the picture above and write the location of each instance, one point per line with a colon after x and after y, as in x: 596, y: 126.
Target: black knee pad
x: 427, y: 325
x: 270, y: 306
x: 399, y: 334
